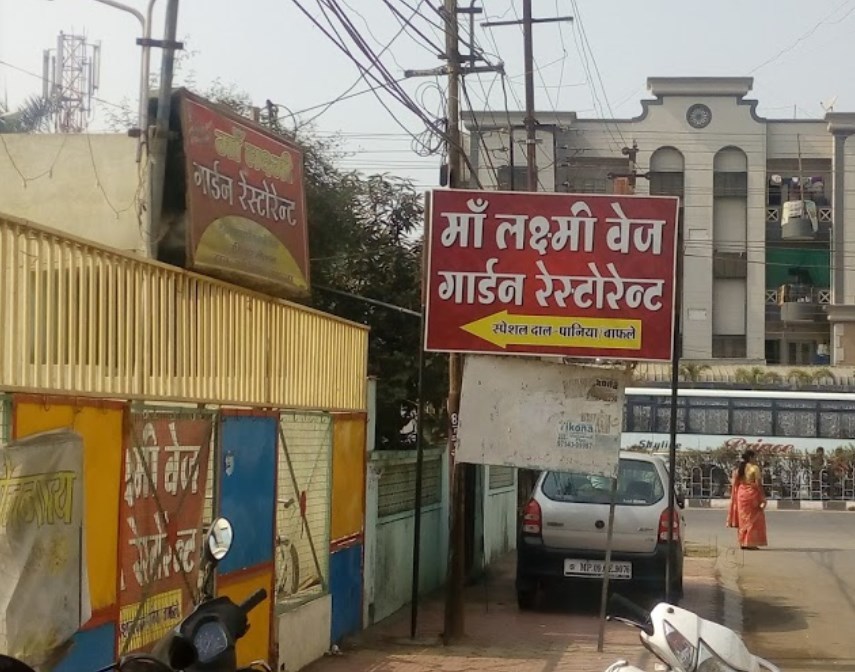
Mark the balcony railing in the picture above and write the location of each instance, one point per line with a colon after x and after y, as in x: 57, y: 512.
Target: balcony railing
x: 823, y: 296
x: 802, y: 303
x: 80, y: 319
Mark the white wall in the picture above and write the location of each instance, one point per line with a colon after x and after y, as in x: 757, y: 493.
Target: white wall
x: 388, y: 562
x: 500, y: 519
x: 394, y: 560
x: 84, y: 185
x: 304, y: 633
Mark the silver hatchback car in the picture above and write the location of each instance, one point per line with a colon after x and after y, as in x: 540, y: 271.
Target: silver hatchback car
x: 563, y: 535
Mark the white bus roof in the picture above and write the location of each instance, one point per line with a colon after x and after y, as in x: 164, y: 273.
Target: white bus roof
x: 741, y: 394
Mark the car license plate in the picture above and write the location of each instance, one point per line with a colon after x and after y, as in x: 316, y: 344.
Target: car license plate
x: 594, y: 568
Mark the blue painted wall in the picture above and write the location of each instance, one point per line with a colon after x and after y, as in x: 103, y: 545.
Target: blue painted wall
x: 93, y: 649
x: 248, y: 488
x: 346, y: 591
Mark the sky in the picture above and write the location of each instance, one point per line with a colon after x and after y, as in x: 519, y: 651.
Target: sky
x: 797, y: 52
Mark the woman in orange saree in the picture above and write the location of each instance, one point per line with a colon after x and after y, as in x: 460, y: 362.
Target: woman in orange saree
x: 748, y: 503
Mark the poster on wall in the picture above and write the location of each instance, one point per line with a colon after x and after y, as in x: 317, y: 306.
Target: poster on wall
x: 161, y: 506
x: 577, y: 275
x: 245, y: 201
x: 537, y: 415
x: 44, y: 591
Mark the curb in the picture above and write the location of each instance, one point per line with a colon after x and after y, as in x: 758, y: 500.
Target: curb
x: 776, y: 505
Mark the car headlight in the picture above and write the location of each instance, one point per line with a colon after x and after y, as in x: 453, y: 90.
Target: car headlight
x: 708, y: 661
x: 681, y: 647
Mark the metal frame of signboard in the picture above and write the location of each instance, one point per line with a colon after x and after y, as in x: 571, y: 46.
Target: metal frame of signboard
x: 429, y: 220
x: 675, y: 339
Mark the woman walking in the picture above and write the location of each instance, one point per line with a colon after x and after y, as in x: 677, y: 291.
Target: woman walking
x: 748, y: 503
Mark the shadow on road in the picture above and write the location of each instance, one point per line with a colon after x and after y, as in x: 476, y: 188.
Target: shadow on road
x: 772, y: 615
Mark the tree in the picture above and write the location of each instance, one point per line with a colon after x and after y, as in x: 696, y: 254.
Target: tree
x: 33, y: 116
x: 693, y: 372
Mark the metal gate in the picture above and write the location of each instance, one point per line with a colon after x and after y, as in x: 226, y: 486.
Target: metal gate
x: 303, y: 505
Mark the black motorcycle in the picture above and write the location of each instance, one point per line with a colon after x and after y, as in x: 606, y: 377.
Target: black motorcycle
x: 210, y: 632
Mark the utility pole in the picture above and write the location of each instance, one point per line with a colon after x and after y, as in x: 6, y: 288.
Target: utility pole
x: 528, y: 57
x: 530, y: 121
x: 454, y: 622
x: 455, y: 68
x: 160, y: 138
x: 632, y: 175
x: 632, y: 154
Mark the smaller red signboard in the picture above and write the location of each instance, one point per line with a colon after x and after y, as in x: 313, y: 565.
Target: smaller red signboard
x: 577, y: 275
x: 246, y: 203
x: 160, y: 532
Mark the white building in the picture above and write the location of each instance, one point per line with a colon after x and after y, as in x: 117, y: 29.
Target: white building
x: 754, y: 290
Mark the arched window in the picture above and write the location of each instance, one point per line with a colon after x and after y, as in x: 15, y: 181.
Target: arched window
x: 731, y: 173
x: 730, y: 263
x: 666, y: 172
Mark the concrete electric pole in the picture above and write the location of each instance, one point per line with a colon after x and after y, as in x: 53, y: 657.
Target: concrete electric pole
x: 527, y: 23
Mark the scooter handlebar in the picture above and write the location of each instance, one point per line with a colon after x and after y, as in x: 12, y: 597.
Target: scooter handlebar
x: 253, y: 600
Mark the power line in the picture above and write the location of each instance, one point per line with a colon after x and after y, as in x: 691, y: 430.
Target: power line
x: 480, y: 135
x: 41, y: 78
x: 806, y: 35
x: 390, y: 86
x: 344, y: 95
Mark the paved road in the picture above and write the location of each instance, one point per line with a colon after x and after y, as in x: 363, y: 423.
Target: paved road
x: 798, y: 596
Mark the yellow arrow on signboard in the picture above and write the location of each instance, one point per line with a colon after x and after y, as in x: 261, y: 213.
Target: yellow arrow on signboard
x: 503, y: 329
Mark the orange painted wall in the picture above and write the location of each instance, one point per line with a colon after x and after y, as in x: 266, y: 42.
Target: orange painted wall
x: 256, y: 644
x: 101, y: 429
x: 348, y: 472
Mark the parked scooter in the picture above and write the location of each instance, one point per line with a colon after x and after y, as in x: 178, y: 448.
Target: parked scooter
x: 205, y: 640
x: 212, y: 629
x: 685, y: 642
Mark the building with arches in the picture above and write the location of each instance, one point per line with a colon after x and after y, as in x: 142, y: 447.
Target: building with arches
x: 764, y: 282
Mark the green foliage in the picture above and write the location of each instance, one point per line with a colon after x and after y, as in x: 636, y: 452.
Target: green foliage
x: 693, y: 372
x: 756, y: 375
x: 800, y: 377
x: 32, y: 116
x: 823, y: 374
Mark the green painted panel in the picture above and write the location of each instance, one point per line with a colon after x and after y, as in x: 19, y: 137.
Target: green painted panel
x: 782, y: 262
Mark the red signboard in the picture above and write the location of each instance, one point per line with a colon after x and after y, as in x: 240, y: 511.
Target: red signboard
x: 245, y: 198
x: 160, y: 532
x: 575, y: 275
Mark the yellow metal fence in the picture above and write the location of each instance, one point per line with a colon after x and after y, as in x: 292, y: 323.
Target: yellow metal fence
x: 83, y: 319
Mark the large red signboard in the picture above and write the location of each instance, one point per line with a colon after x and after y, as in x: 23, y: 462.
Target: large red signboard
x: 577, y: 275
x: 246, y: 202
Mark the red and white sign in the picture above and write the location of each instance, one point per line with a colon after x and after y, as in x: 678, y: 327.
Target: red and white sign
x: 576, y: 275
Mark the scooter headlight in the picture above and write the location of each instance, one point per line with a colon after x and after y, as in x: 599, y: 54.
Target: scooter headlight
x: 708, y: 660
x: 210, y: 641
x: 680, y: 646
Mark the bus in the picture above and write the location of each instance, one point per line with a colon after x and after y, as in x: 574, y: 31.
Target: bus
x: 805, y: 441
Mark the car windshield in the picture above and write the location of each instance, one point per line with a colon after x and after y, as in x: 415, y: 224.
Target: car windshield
x: 639, y: 484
